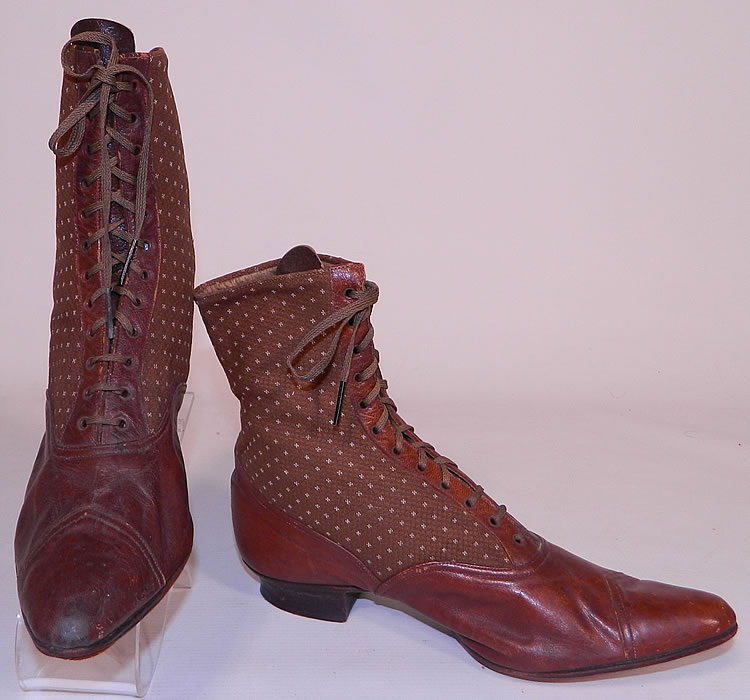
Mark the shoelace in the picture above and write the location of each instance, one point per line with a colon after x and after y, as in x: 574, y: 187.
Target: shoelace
x: 103, y: 86
x: 354, y: 314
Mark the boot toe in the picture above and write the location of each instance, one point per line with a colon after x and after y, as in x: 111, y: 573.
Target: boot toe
x: 671, y: 621
x: 80, y: 596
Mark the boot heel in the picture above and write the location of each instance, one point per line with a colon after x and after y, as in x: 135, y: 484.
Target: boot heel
x: 331, y: 603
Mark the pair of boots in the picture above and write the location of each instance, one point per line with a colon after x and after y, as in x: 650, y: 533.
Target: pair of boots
x: 333, y: 493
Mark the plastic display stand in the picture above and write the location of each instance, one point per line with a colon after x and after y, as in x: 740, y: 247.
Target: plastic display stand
x: 125, y: 668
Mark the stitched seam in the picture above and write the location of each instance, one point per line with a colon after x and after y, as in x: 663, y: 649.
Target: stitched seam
x: 622, y: 616
x: 118, y: 526
x: 508, y: 576
x: 617, y: 609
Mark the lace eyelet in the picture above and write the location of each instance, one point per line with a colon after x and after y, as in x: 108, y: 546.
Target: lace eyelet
x: 89, y: 304
x: 134, y: 85
x: 518, y: 539
x: 84, y: 183
x: 82, y: 423
x: 375, y: 430
x: 133, y: 118
x: 137, y: 150
x: 134, y: 332
x: 122, y: 424
x: 469, y: 504
x: 358, y: 377
x: 397, y: 452
x: 355, y: 350
x: 129, y: 362
x: 89, y: 150
x: 89, y: 364
x: 136, y: 302
x: 421, y: 467
x: 87, y: 393
x: 349, y: 293
x: 363, y: 405
x: 144, y: 275
x: 494, y: 521
x: 126, y: 393
x: 445, y: 485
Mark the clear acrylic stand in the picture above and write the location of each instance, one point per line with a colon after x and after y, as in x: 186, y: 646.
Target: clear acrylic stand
x: 125, y: 668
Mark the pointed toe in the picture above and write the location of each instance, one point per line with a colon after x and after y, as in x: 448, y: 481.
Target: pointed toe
x: 670, y: 621
x: 80, y: 594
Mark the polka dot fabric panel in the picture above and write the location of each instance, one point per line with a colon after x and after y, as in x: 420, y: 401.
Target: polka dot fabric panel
x: 66, y: 326
x: 167, y: 349
x: 335, y: 480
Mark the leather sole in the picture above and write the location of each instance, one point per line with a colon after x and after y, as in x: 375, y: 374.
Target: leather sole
x: 334, y: 603
x: 86, y: 652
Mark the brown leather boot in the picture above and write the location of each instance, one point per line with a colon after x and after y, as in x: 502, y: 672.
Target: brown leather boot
x: 105, y: 527
x: 334, y: 495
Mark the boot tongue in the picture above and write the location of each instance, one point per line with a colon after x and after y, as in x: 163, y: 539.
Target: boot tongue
x: 122, y: 36
x: 299, y: 259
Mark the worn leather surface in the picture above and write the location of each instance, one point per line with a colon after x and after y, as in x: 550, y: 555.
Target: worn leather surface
x: 101, y: 533
x: 105, y: 525
x: 534, y: 610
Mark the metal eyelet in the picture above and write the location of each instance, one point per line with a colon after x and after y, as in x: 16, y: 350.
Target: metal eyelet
x: 122, y: 424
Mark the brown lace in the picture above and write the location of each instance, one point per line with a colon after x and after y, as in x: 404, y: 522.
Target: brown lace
x: 112, y: 266
x: 354, y: 314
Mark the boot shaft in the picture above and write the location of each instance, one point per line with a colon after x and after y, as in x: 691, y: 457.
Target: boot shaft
x: 158, y: 302
x: 344, y: 481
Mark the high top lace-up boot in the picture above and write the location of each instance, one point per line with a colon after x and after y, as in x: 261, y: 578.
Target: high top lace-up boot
x: 333, y: 495
x: 105, y: 527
